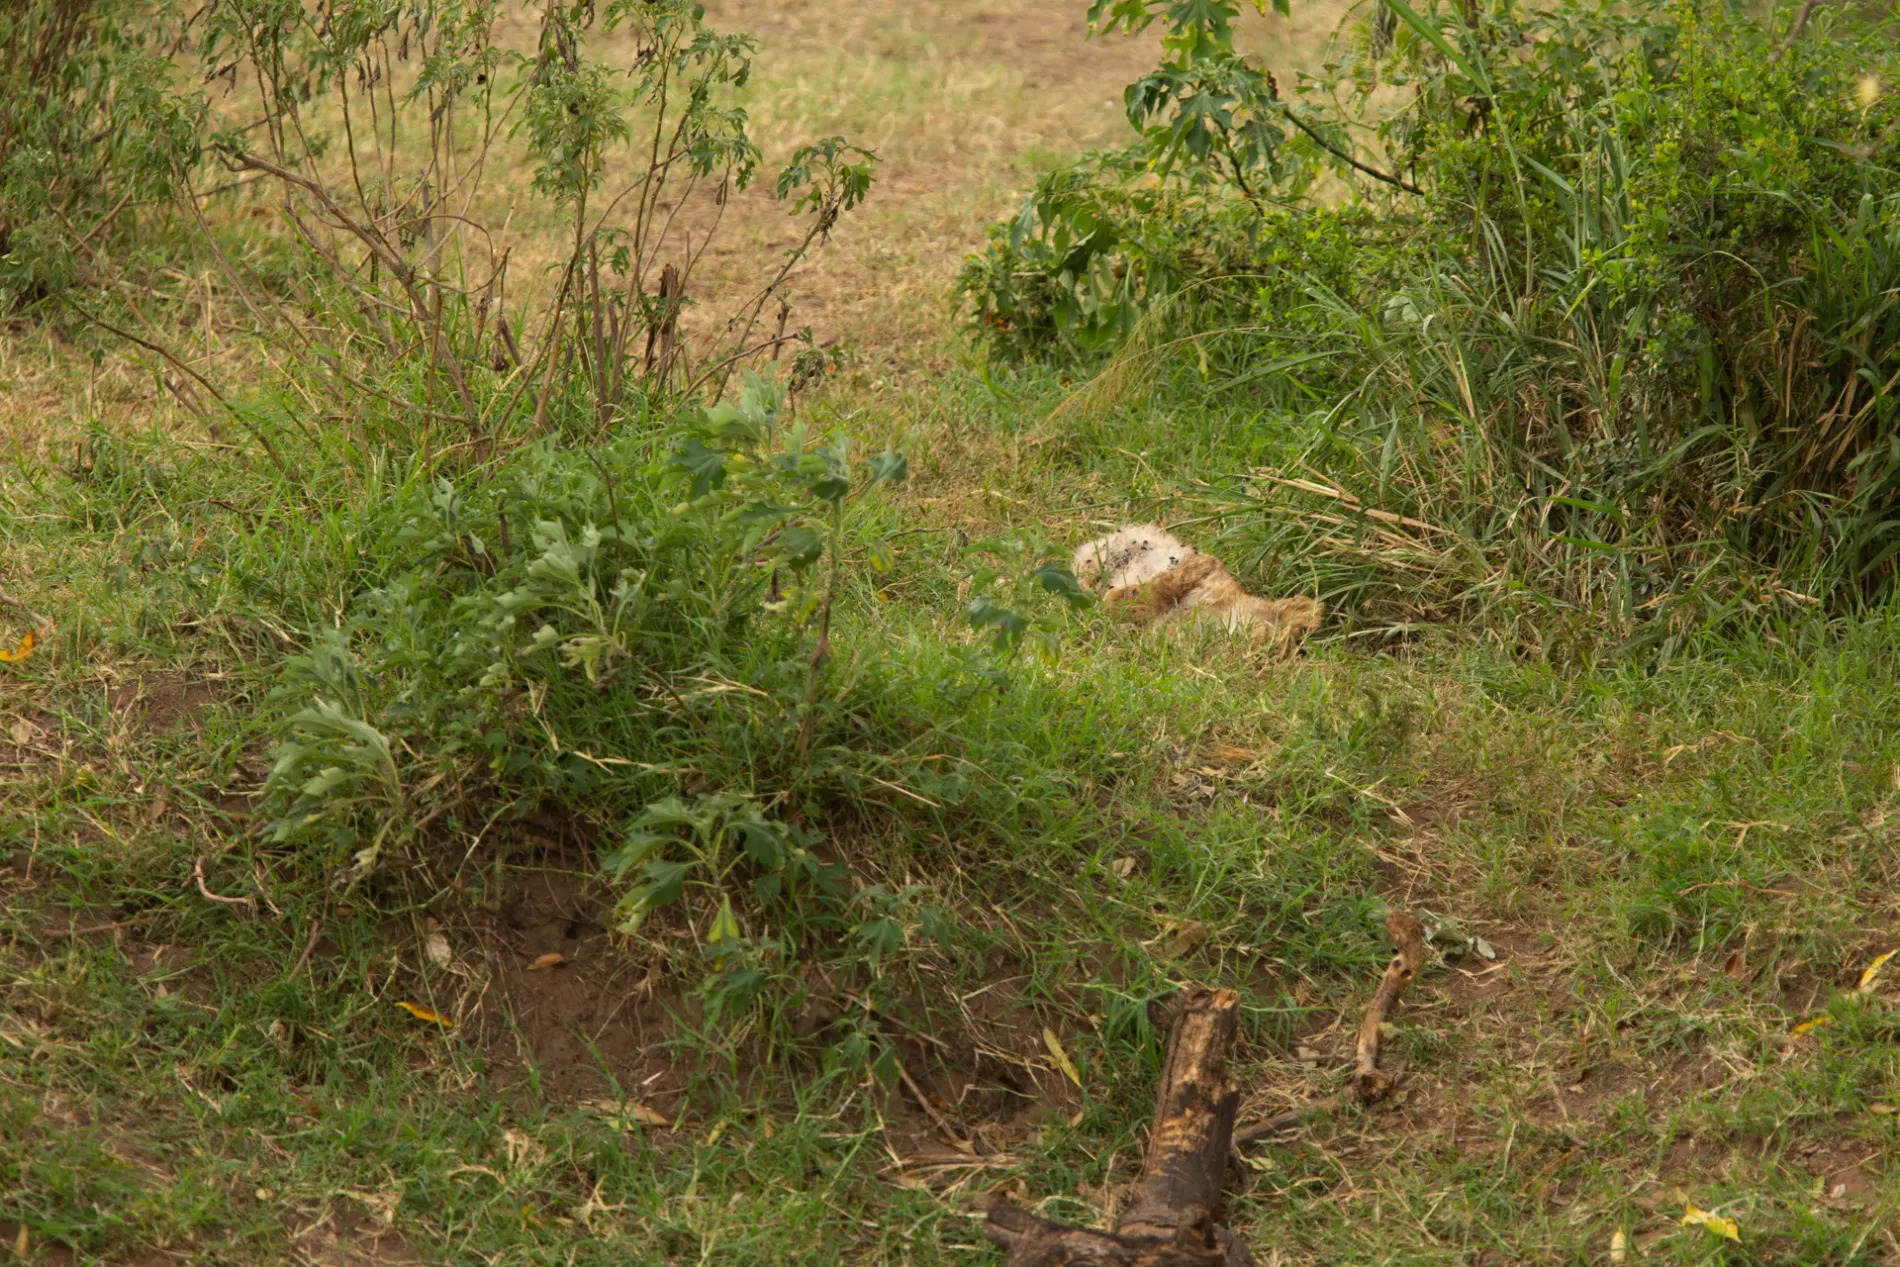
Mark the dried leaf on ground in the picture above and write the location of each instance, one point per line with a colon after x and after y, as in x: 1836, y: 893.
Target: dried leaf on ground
x: 630, y: 1113
x: 19, y: 652
x: 1715, y: 1223
x: 1872, y: 972
x: 425, y: 1014
x: 1179, y: 936
x: 1060, y: 1055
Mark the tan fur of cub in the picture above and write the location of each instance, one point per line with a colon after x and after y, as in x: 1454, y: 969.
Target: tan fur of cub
x: 1147, y: 569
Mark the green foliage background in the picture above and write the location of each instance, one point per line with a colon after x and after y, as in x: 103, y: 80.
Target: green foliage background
x: 1625, y: 336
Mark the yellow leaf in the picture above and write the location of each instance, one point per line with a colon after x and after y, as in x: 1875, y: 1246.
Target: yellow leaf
x: 725, y: 926
x: 1619, y: 1248
x: 1813, y: 1023
x: 1872, y: 974
x: 552, y: 959
x: 626, y: 1114
x: 424, y: 1014
x: 20, y: 652
x: 1715, y: 1223
x: 1058, y: 1054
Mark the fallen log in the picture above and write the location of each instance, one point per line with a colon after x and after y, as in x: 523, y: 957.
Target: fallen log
x: 1174, y: 1217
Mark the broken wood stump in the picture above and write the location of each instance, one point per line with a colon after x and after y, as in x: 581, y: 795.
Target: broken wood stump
x: 1174, y: 1217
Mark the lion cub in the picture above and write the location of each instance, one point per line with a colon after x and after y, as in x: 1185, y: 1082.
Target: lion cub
x: 1150, y: 570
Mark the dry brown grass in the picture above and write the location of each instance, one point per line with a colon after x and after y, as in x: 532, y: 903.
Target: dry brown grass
x: 964, y: 101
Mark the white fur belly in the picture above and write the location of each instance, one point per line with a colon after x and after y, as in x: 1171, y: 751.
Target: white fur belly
x: 1129, y: 557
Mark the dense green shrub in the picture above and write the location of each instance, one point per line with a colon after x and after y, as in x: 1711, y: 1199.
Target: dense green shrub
x: 92, y: 131
x: 642, y: 633
x: 550, y: 598
x: 1614, y: 311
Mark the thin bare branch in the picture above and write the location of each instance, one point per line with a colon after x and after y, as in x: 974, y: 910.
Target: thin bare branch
x: 1800, y: 24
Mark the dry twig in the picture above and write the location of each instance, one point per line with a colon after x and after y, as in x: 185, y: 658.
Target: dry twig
x: 950, y: 1133
x: 58, y: 934
x: 1370, y: 1084
x: 1801, y: 17
x: 248, y: 902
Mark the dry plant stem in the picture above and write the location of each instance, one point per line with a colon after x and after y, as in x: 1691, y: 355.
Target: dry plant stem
x: 196, y: 377
x: 555, y: 361
x: 1173, y: 1217
x: 103, y: 222
x: 1280, y: 1123
x: 380, y: 248
x: 951, y: 1134
x: 40, y: 623
x: 755, y: 306
x: 1799, y: 25
x: 1370, y: 1084
x: 309, y: 946
x: 821, y: 651
x: 198, y: 873
x: 60, y: 933
x: 1349, y: 160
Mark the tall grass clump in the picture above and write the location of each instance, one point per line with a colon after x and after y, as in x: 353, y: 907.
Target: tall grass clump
x: 1594, y: 325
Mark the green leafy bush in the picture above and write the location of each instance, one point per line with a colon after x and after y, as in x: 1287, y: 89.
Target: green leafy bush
x: 1605, y: 332
x: 93, y: 130
x: 550, y: 601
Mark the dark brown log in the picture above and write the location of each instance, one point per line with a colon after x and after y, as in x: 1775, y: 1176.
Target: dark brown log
x: 1173, y: 1218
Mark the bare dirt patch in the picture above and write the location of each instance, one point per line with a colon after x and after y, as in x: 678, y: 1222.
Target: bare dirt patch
x: 591, y: 1019
x: 345, y: 1237
x: 30, y: 737
x: 160, y: 703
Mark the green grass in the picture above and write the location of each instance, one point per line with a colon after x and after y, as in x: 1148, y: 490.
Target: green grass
x: 1656, y: 867
x: 1676, y: 864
